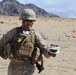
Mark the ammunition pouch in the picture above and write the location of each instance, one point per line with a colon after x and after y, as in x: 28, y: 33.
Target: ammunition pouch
x: 6, y: 52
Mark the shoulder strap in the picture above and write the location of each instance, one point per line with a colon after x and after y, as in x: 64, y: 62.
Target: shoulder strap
x: 19, y: 29
x: 32, y: 32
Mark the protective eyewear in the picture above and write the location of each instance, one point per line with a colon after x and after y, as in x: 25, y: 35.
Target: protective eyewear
x: 30, y: 20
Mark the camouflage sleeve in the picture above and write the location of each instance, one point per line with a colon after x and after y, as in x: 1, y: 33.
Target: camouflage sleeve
x: 7, y: 38
x: 42, y: 45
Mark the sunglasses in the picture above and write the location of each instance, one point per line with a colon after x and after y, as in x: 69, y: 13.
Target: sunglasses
x: 30, y: 20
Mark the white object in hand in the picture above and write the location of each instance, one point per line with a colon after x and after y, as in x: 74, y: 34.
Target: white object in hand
x: 54, y: 49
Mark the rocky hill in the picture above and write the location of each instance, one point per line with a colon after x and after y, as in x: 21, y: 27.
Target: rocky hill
x: 14, y: 8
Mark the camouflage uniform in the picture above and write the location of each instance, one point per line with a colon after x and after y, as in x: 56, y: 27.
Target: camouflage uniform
x: 19, y: 65
x: 21, y: 69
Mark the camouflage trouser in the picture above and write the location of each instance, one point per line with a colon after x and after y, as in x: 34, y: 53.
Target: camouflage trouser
x: 21, y: 69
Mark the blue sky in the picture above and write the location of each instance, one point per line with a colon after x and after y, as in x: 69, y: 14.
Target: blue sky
x: 62, y: 8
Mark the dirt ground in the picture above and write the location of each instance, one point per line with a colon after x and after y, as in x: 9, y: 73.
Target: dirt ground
x: 60, y: 31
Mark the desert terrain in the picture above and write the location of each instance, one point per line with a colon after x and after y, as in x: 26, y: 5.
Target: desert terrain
x: 60, y: 31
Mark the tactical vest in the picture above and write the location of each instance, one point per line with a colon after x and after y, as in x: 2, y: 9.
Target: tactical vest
x: 23, y: 44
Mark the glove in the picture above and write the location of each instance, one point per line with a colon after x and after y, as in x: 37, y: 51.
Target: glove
x: 54, y: 49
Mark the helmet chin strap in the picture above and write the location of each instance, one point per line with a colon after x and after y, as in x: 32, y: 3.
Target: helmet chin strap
x: 23, y: 22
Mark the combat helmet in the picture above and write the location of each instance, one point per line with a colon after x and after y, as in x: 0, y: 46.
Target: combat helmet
x: 28, y: 14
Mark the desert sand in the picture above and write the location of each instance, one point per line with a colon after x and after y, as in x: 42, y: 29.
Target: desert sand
x: 60, y: 31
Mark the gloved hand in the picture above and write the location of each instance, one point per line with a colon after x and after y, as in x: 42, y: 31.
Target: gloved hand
x: 53, y: 50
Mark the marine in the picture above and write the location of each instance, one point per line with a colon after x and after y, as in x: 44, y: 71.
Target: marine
x: 20, y: 46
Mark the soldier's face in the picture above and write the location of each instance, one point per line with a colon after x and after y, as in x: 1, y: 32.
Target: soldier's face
x: 27, y: 24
